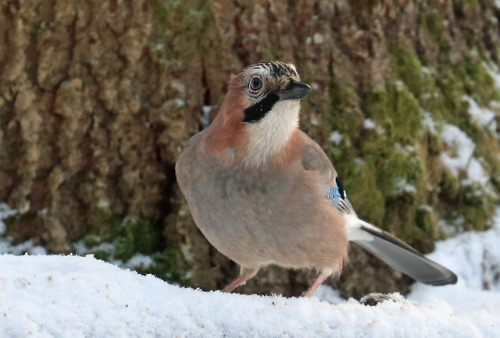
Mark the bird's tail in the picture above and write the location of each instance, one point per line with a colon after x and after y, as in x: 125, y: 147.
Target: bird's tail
x: 397, y: 254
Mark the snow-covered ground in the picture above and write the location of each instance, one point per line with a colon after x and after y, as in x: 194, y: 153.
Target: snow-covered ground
x: 72, y: 296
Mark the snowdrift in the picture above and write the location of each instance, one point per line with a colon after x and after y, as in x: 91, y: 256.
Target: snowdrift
x: 72, y: 296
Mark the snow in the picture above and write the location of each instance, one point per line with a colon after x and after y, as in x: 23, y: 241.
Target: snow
x: 139, y: 261
x: 63, y: 296
x: 427, y: 71
x: 179, y: 102
x: 336, y: 137
x: 484, y: 117
x: 5, y: 243
x: 205, y: 117
x: 491, y: 67
x: 402, y: 187
x: 81, y: 296
x: 159, y: 45
x: 428, y: 122
x: 453, y: 225
x: 135, y: 262
x: 459, y: 156
x: 400, y: 85
x: 369, y: 124
x: 475, y: 258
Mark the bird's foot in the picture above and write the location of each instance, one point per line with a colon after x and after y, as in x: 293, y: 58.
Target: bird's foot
x: 320, y: 278
x: 245, y: 275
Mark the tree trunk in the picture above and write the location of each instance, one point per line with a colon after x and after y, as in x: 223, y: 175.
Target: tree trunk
x: 97, y: 99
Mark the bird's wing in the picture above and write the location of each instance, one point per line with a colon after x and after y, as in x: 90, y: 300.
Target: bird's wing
x: 383, y: 245
x: 315, y: 159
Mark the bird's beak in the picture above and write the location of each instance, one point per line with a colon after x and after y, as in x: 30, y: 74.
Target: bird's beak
x: 296, y: 90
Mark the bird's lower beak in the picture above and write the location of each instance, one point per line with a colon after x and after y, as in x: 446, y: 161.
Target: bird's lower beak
x: 297, y: 90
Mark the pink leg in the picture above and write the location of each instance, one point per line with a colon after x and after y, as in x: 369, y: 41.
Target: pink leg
x: 320, y: 278
x: 245, y: 274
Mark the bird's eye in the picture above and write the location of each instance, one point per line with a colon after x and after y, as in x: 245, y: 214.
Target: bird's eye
x: 255, y: 84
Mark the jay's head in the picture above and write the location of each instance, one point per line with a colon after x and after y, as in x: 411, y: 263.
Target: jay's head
x: 267, y: 86
x: 259, y: 90
x: 261, y: 108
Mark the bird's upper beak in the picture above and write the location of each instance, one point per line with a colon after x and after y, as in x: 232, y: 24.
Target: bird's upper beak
x: 295, y: 91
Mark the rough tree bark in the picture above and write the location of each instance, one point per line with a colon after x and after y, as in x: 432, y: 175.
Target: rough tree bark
x: 98, y: 97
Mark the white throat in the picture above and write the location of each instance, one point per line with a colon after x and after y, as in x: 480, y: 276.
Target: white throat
x: 269, y: 135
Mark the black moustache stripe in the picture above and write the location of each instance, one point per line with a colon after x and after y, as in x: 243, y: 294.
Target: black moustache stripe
x: 260, y: 109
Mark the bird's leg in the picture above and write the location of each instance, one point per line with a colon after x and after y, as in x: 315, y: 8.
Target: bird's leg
x: 245, y: 274
x: 320, y: 278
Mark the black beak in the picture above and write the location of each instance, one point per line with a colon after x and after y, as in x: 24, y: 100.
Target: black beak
x: 297, y: 90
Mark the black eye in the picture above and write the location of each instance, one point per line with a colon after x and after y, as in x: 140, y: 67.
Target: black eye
x: 255, y: 84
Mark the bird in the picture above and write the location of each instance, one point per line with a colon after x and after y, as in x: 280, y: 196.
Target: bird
x: 263, y: 192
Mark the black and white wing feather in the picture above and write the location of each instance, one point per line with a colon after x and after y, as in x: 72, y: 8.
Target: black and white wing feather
x: 396, y: 253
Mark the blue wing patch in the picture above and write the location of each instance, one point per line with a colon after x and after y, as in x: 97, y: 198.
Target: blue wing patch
x: 338, y: 197
x: 334, y: 195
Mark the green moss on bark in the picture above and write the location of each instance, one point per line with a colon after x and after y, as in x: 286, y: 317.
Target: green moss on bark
x: 396, y: 178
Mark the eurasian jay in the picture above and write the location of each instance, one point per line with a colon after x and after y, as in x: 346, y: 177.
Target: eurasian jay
x: 262, y: 192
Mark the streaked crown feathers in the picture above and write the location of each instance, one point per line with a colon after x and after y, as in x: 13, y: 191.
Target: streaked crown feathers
x: 276, y: 69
